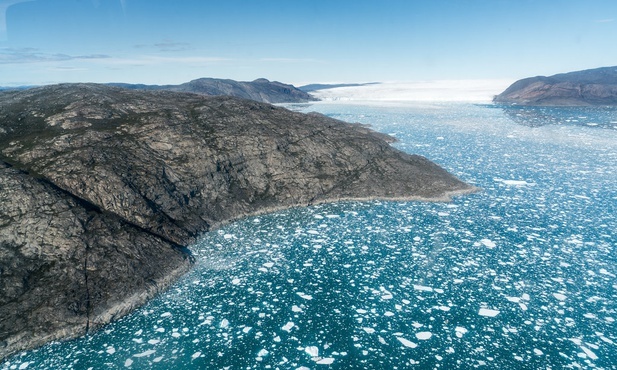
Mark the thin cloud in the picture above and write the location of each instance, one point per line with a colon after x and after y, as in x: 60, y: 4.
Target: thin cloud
x: 289, y: 60
x: 150, y: 60
x: 604, y: 20
x: 166, y: 46
x: 31, y: 55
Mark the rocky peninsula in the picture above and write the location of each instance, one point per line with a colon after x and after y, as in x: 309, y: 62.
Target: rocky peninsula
x: 592, y: 87
x: 102, y: 189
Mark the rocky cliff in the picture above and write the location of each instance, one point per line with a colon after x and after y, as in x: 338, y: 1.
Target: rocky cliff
x: 583, y: 88
x: 102, y: 189
x: 260, y: 90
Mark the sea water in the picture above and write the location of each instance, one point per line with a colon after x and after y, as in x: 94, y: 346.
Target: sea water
x: 520, y: 275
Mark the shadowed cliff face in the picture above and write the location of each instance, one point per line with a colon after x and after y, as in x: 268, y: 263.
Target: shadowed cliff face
x: 101, y: 187
x: 582, y: 88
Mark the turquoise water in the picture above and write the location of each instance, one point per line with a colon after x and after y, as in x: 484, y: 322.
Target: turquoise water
x: 521, y: 275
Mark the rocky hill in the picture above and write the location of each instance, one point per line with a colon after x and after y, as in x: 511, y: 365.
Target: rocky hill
x: 260, y: 90
x: 583, y: 88
x: 103, y: 188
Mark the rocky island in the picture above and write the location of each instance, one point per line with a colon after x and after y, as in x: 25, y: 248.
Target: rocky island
x: 592, y: 87
x: 102, y: 189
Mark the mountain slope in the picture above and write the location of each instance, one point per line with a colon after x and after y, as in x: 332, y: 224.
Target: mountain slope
x: 582, y: 88
x: 260, y: 90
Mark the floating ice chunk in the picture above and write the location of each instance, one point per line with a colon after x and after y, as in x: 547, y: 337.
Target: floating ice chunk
x: 424, y: 335
x: 268, y: 264
x: 262, y: 353
x: 590, y: 315
x: 224, y: 323
x: 417, y: 325
x: 127, y: 363
x: 166, y: 314
x: 25, y: 365
x: 460, y: 331
x: 295, y: 308
x: 319, y: 217
x: 139, y: 332
x: 236, y: 281
x: 195, y: 355
x: 361, y: 311
x: 176, y: 335
x: 443, y: 214
x: 228, y: 236
x: 387, y: 296
x: 369, y: 330
x: 488, y: 243
x: 154, y: 341
x: 303, y: 368
x: 160, y: 330
x: 407, y: 343
x: 422, y: 288
x: 158, y: 359
x: 488, y: 312
x: 304, y: 296
x: 111, y: 350
x: 287, y: 327
x: 144, y: 354
x: 589, y: 353
x: 513, y: 299
x: 246, y: 329
x: 559, y: 296
x: 514, y: 182
x: 388, y: 314
x: 312, y: 351
x: 325, y: 361
x: 313, y: 232
x: 537, y: 352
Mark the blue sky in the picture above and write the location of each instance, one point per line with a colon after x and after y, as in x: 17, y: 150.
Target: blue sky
x: 296, y: 41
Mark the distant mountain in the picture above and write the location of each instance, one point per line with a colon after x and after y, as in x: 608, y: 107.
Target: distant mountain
x: 261, y: 90
x: 593, y: 87
x: 315, y: 87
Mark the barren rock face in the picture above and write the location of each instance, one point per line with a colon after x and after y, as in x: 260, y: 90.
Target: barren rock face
x: 101, y: 189
x: 582, y: 88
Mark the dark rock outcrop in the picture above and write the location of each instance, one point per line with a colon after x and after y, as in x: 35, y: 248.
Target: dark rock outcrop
x: 260, y: 90
x: 101, y: 189
x: 592, y: 87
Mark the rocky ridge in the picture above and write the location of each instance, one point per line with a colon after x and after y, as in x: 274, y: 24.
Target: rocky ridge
x: 261, y: 90
x: 102, y: 189
x: 592, y: 87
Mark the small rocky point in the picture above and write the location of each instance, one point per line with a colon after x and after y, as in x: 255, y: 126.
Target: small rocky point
x: 592, y: 87
x: 102, y: 189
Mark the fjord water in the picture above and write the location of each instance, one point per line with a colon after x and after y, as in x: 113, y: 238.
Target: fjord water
x: 520, y: 275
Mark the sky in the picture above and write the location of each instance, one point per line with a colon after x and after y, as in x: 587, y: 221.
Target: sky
x: 301, y: 41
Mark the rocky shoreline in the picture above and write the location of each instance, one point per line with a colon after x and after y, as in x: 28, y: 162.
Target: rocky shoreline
x: 101, y: 189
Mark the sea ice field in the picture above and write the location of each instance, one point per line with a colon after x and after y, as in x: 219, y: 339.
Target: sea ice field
x: 520, y: 275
